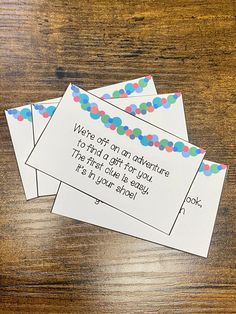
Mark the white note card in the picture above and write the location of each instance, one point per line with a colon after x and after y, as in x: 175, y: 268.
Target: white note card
x: 117, y: 158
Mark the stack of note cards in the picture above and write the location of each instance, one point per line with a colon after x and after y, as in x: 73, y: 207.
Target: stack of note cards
x: 119, y: 157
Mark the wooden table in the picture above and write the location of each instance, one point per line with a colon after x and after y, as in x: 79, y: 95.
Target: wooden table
x: 50, y: 264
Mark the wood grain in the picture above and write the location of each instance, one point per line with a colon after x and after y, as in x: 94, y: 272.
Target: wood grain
x: 50, y: 264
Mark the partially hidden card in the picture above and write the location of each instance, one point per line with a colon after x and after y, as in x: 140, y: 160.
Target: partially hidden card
x: 20, y: 125
x: 42, y: 112
x: 115, y: 157
x: 156, y: 109
x: 140, y: 86
x: 19, y: 122
x: 192, y: 231
x: 24, y: 134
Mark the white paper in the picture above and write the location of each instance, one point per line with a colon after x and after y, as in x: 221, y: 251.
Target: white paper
x: 192, y: 231
x: 175, y: 168
x: 20, y: 126
x: 140, y: 86
x: 42, y: 112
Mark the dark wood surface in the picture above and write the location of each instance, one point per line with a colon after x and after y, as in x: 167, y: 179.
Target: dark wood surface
x: 50, y: 264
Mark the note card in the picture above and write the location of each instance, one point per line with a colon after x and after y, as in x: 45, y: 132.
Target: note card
x: 41, y: 113
x: 140, y: 86
x: 153, y: 108
x: 192, y: 231
x: 26, y: 123
x: 19, y: 122
x: 115, y: 157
